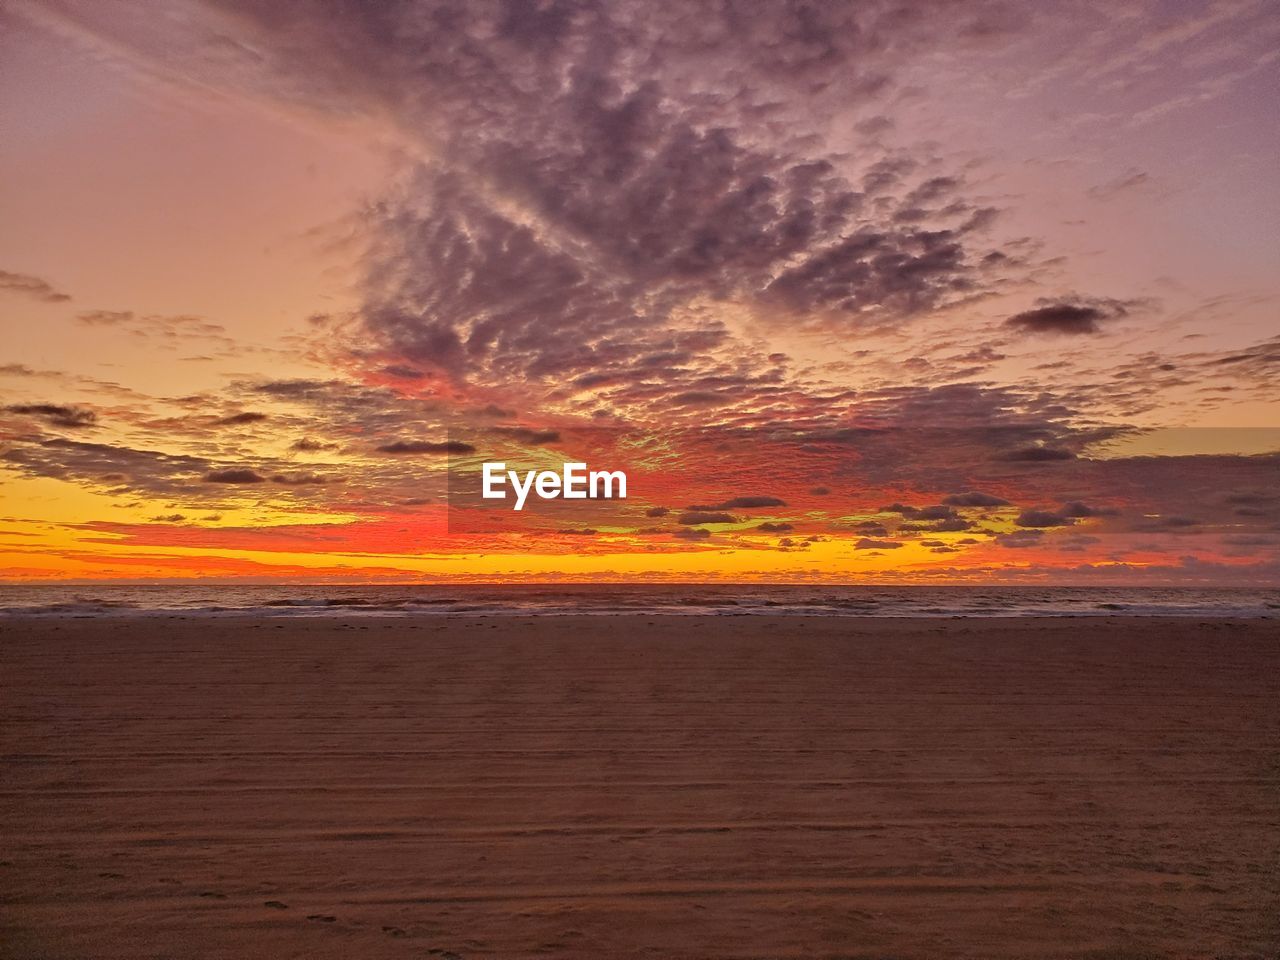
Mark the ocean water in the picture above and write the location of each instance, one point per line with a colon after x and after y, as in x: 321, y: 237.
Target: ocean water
x: 605, y: 599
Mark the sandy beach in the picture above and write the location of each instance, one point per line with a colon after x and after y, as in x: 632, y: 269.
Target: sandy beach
x: 617, y: 787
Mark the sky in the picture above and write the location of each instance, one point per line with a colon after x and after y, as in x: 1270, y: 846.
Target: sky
x: 899, y: 291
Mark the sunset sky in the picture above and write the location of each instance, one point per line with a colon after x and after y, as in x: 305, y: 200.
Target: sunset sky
x: 912, y: 291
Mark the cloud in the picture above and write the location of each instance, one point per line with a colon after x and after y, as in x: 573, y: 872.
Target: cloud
x: 938, y: 512
x: 236, y: 475
x: 426, y: 446
x: 692, y: 518
x: 166, y: 331
x: 1043, y: 518
x: 242, y: 418
x: 310, y: 445
x: 871, y: 529
x: 975, y: 499
x: 1073, y: 316
x: 657, y: 512
x: 1020, y: 539
x: 403, y: 372
x: 102, y: 463
x: 868, y: 543
x: 692, y: 533
x: 745, y: 503
x: 1077, y: 509
x: 302, y: 479
x: 57, y: 414
x: 527, y: 435
x: 641, y: 215
x: 1130, y: 180
x: 590, y: 179
x: 23, y: 284
x: 895, y: 273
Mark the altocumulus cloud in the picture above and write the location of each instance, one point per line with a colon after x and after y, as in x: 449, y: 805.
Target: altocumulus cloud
x: 598, y: 170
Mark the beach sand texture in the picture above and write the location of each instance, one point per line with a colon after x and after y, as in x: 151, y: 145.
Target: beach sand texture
x: 658, y: 787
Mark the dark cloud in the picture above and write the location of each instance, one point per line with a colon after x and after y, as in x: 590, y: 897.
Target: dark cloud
x: 236, y: 475
x: 298, y: 389
x: 975, y: 499
x: 1020, y: 538
x: 309, y: 445
x: 868, y: 543
x: 692, y: 533
x: 427, y: 446
x: 97, y: 463
x: 1043, y: 518
x: 403, y: 372
x: 902, y: 508
x: 24, y: 284
x: 528, y: 435
x: 300, y: 479
x: 771, y: 527
x: 57, y: 414
x: 745, y: 503
x: 657, y: 512
x: 938, y: 512
x: 236, y: 419
x: 1072, y: 316
x: 694, y: 517
x: 1077, y: 509
x: 874, y: 273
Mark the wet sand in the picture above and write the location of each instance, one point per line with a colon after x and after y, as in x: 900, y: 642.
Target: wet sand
x: 619, y: 787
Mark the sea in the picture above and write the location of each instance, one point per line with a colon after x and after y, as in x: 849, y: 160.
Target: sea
x: 427, y: 600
